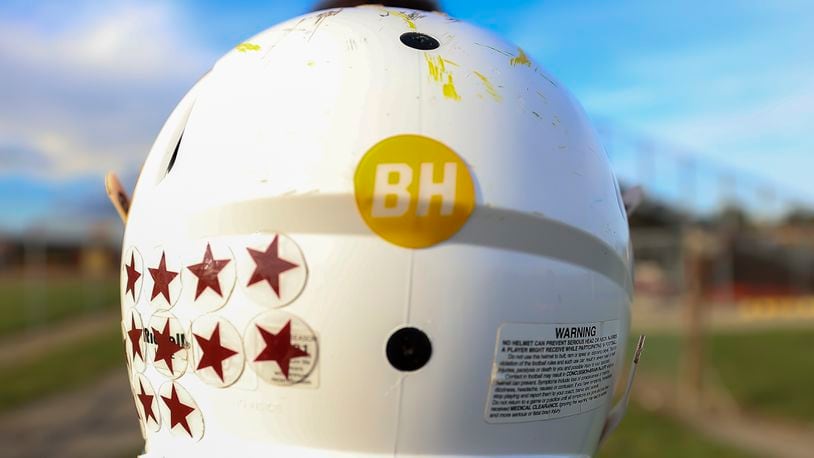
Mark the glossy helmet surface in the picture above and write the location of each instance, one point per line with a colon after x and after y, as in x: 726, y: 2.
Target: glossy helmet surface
x: 375, y: 232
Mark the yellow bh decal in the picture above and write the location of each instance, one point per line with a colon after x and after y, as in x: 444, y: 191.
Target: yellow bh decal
x: 413, y: 191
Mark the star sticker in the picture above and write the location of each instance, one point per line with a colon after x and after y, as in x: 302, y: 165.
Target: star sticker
x: 207, y: 272
x: 178, y: 411
x: 134, y: 335
x: 279, y: 348
x: 269, y: 266
x: 165, y: 347
x: 213, y: 353
x: 162, y: 279
x: 132, y: 276
x: 146, y: 401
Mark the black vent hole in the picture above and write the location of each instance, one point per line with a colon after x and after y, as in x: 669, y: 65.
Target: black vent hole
x: 420, y: 41
x: 408, y: 349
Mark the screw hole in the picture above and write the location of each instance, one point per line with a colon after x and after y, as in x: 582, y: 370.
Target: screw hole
x: 420, y: 41
x: 408, y: 349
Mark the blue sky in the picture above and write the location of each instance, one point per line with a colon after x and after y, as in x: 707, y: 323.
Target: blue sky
x: 86, y: 85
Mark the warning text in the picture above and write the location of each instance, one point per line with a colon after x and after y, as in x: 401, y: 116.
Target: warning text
x: 548, y: 371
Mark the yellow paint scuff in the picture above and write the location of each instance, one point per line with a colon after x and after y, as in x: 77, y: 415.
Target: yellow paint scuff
x: 437, y: 68
x: 449, y: 89
x: 404, y: 16
x: 520, y: 59
x: 246, y: 47
x: 488, y: 85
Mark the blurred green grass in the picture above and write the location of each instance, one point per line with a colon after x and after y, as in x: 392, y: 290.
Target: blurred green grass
x: 27, y: 303
x: 644, y: 434
x: 769, y: 372
x: 61, y: 369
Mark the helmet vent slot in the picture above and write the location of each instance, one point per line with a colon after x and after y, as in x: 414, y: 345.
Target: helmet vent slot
x: 174, y: 156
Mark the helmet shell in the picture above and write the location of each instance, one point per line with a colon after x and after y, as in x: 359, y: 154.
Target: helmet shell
x: 264, y: 150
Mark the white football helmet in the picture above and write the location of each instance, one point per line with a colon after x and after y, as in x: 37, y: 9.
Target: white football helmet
x: 375, y: 232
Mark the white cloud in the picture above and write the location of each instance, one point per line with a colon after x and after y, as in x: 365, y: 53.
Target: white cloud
x: 128, y: 40
x: 746, y: 102
x: 790, y: 115
x: 89, y: 91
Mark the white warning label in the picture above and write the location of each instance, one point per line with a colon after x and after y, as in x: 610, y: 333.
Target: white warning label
x: 544, y: 371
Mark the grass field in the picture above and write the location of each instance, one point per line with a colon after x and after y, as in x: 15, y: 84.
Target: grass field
x: 32, y: 303
x: 766, y: 372
x: 644, y: 434
x: 62, y: 369
x: 769, y: 372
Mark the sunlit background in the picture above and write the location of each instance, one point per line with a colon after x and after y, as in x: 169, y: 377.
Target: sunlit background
x: 709, y: 106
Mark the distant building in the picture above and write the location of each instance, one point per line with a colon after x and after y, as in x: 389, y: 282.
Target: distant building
x: 95, y: 252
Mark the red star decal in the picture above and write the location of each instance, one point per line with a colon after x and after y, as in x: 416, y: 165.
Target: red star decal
x: 146, y: 401
x: 165, y: 347
x: 162, y: 279
x: 269, y: 266
x: 178, y: 411
x: 213, y: 353
x: 279, y: 348
x: 132, y: 276
x: 134, y: 335
x: 207, y: 272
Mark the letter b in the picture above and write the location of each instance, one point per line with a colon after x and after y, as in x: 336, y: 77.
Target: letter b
x: 383, y: 189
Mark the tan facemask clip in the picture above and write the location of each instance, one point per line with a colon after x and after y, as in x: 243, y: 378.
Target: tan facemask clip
x: 118, y: 196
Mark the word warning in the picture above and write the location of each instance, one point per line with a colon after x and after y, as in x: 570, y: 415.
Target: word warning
x: 544, y: 371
